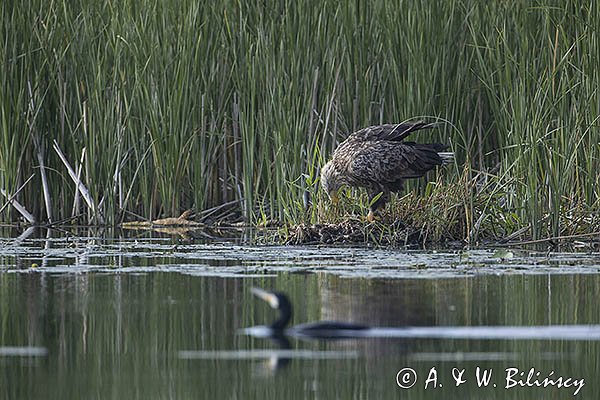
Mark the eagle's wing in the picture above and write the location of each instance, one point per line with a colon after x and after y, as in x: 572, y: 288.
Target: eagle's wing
x: 389, y: 162
x: 391, y: 132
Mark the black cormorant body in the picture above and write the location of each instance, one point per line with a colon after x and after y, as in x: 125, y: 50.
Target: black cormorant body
x: 320, y: 329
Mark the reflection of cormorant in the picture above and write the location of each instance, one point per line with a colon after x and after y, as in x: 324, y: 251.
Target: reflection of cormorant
x: 321, y: 329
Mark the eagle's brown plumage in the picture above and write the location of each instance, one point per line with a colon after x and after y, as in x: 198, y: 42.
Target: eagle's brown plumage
x: 378, y: 159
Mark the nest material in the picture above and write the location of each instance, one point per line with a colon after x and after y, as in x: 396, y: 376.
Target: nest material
x: 354, y: 232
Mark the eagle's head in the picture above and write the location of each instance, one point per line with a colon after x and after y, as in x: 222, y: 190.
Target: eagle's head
x: 331, y: 181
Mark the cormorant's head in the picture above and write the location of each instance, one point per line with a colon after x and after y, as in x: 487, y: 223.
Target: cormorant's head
x: 278, y: 301
x: 331, y: 181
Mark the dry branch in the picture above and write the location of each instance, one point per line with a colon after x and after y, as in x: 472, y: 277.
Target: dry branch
x: 18, y: 206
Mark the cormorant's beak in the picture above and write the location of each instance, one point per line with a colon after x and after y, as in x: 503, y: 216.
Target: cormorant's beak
x: 266, y: 296
x: 333, y: 195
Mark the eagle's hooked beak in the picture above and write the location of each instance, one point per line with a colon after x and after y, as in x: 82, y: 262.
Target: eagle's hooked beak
x: 334, y: 197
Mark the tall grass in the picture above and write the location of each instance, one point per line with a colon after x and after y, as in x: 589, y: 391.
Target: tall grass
x: 183, y: 104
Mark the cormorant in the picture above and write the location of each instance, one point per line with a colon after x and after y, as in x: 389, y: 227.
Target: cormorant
x: 345, y: 330
x: 321, y: 329
x: 377, y: 158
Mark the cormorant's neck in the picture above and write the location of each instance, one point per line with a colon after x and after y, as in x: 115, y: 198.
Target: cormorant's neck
x: 285, y: 314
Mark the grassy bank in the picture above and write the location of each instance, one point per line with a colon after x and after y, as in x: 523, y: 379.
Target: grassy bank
x: 162, y: 106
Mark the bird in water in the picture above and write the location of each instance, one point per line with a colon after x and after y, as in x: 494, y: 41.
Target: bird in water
x: 278, y: 330
x: 320, y: 330
x: 377, y: 158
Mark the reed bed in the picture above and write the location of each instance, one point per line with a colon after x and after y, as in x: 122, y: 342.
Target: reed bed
x: 163, y: 106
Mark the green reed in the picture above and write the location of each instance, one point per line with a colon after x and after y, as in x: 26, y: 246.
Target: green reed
x: 183, y: 104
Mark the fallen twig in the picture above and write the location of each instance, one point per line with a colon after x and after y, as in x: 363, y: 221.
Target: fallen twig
x: 18, y: 206
x: 39, y: 153
x: 76, y: 197
x: 549, y: 239
x: 80, y: 186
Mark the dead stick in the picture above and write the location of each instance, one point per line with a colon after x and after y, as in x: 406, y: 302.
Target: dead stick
x: 18, y: 206
x: 76, y: 197
x: 40, y: 154
x: 80, y: 186
x: 549, y: 239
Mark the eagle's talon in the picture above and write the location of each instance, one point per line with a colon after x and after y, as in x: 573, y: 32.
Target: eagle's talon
x: 371, y: 217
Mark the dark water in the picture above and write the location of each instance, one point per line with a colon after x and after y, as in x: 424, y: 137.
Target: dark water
x: 152, y: 319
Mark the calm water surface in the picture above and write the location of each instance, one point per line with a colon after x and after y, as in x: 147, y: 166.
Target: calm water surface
x: 158, y: 318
